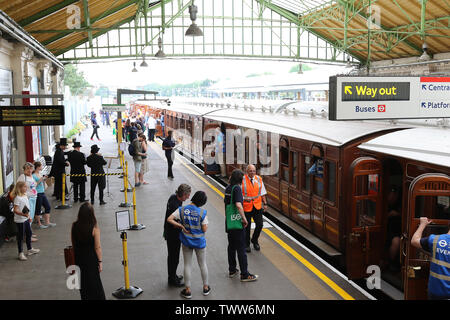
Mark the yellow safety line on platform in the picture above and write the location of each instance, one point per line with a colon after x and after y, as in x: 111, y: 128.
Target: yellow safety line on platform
x: 285, y: 246
x: 311, y: 267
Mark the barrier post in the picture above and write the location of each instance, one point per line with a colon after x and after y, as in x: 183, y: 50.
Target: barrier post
x: 135, y: 226
x: 125, y: 176
x: 125, y: 187
x: 63, y: 198
x: 127, y: 291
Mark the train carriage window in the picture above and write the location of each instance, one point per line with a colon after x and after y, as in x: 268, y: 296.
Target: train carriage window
x: 331, y: 177
x: 433, y: 207
x: 365, y: 212
x: 284, y: 156
x: 306, y: 166
x: 294, y: 168
x: 316, y: 171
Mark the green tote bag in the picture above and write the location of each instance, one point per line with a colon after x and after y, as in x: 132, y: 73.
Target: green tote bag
x: 233, y: 218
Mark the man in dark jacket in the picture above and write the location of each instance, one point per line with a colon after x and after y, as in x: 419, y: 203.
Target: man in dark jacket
x: 172, y: 234
x: 77, y: 162
x: 168, y: 145
x: 59, y: 167
x: 96, y: 162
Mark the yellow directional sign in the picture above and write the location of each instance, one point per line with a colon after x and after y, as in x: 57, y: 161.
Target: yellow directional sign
x: 375, y: 91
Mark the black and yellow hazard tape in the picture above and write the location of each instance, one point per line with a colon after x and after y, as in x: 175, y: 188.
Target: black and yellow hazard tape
x: 94, y: 174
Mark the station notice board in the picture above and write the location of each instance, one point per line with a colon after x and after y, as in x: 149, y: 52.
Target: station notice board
x: 31, y: 115
x: 380, y: 98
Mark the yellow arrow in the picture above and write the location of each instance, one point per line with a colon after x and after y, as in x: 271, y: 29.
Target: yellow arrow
x: 348, y: 90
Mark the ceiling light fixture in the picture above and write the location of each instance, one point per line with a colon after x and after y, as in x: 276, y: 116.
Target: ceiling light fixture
x: 134, y: 67
x: 160, y: 53
x: 193, y: 30
x: 143, y: 63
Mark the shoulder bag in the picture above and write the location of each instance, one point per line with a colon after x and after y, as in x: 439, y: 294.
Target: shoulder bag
x: 233, y: 218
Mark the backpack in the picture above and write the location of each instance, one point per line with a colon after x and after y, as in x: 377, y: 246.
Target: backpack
x: 131, y: 150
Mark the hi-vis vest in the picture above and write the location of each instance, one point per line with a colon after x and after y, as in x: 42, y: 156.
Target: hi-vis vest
x: 252, y: 193
x: 191, y: 218
x: 439, y: 282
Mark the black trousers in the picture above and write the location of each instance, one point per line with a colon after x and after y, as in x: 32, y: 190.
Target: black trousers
x: 94, y: 132
x: 100, y: 181
x: 169, y: 167
x: 236, y: 245
x: 79, y: 189
x: 258, y: 218
x: 173, y: 255
x: 151, y: 134
x: 58, y: 186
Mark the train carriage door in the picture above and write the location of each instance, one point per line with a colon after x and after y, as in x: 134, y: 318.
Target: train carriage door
x: 284, y: 176
x: 316, y: 177
x: 209, y: 164
x: 364, y: 239
x: 428, y: 196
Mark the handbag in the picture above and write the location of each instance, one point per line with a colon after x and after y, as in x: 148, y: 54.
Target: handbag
x: 233, y: 218
x: 69, y: 256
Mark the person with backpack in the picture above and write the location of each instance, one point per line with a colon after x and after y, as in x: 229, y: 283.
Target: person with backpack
x: 193, y: 224
x: 135, y: 150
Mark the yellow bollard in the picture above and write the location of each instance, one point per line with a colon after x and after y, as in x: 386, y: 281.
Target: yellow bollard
x: 135, y: 226
x: 63, y: 203
x: 125, y: 187
x: 127, y: 291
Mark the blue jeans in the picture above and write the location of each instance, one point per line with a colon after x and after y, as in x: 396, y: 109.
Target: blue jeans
x: 236, y: 244
x: 23, y: 228
x: 42, y: 201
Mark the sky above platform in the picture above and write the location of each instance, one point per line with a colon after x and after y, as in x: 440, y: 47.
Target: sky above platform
x: 171, y: 71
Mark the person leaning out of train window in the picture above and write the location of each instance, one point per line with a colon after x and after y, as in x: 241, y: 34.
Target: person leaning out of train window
x: 255, y: 203
x: 439, y: 248
x: 317, y: 170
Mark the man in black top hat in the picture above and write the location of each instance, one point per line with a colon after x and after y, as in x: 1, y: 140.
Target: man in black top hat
x: 96, y: 162
x: 59, y: 167
x: 77, y: 162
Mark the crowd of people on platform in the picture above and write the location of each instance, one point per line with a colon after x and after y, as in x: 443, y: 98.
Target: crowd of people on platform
x: 185, y: 226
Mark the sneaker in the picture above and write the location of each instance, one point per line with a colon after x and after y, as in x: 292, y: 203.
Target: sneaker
x: 137, y: 184
x: 248, y: 249
x: 102, y: 203
x: 22, y: 257
x: 185, y: 294
x: 43, y: 226
x: 51, y: 224
x: 206, y: 291
x: 256, y: 246
x: 232, y: 274
x: 250, y: 277
x: 33, y: 251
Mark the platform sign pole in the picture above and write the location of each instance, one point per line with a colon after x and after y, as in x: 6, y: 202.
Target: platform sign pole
x: 126, y: 292
x: 135, y: 226
x: 63, y: 198
x: 125, y: 187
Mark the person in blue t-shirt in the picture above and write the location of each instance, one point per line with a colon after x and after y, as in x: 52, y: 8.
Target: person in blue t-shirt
x: 439, y: 248
x: 193, y: 224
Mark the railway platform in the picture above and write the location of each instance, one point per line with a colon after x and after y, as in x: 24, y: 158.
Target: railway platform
x: 287, y: 270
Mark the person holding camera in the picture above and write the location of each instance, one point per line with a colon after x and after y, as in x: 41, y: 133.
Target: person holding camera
x: 41, y: 198
x: 22, y: 219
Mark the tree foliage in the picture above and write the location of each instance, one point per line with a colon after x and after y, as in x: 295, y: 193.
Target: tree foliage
x: 75, y: 80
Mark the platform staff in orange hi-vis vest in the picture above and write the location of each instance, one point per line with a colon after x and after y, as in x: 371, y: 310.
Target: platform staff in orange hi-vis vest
x: 255, y: 203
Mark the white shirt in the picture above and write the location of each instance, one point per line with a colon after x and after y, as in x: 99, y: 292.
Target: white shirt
x: 151, y: 123
x: 31, y: 184
x: 263, y: 188
x: 21, y: 202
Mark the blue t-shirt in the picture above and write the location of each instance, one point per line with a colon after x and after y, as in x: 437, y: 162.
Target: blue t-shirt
x: 40, y: 188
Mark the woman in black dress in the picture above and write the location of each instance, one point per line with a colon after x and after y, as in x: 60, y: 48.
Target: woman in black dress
x: 88, y: 253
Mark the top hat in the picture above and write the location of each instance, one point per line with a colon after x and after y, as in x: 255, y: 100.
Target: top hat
x: 77, y: 144
x: 63, y: 141
x: 94, y: 148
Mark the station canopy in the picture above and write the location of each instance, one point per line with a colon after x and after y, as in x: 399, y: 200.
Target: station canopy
x: 300, y: 30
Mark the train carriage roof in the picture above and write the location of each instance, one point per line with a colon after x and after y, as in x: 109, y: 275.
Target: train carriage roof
x: 317, y: 129
x: 430, y: 145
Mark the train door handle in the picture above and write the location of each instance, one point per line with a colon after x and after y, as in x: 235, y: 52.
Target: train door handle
x: 412, y: 271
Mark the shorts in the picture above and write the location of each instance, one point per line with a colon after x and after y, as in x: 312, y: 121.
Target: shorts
x: 137, y: 166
